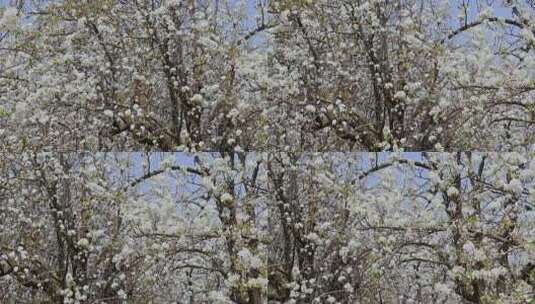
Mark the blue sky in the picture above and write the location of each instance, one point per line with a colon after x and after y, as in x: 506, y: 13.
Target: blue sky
x: 187, y: 160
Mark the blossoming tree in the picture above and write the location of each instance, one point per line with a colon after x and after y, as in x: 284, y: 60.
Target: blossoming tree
x: 267, y: 75
x: 267, y: 227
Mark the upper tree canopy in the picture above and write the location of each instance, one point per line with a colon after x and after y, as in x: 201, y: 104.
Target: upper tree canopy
x: 312, y: 75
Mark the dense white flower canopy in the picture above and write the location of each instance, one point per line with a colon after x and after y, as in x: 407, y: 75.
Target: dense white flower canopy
x: 267, y: 151
x: 277, y: 227
x: 244, y: 75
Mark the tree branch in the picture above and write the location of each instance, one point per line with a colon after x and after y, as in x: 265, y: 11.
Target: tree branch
x: 157, y: 172
x: 479, y: 22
